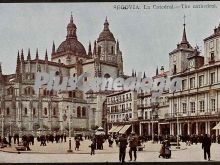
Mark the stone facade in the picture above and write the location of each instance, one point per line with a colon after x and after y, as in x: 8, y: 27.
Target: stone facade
x: 24, y: 109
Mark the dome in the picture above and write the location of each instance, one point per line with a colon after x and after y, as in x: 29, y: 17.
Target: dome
x: 73, y: 45
x: 106, y: 35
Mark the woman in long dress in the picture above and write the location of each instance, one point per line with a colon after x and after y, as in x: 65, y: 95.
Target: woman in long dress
x: 162, y: 150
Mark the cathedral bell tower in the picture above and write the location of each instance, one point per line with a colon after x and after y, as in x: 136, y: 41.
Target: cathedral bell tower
x: 106, y: 45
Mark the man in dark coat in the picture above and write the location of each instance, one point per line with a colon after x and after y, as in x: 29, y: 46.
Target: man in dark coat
x: 122, y: 148
x: 64, y: 136
x: 206, y: 144
x: 9, y: 139
x: 133, y: 140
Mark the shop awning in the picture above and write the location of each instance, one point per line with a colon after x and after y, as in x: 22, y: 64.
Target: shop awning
x: 217, y: 126
x: 118, y: 128
x: 124, y: 129
x: 113, y: 128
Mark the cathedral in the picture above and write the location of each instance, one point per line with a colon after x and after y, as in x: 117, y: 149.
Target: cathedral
x: 22, y: 109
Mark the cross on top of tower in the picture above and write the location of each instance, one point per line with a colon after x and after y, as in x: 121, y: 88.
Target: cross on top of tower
x: 184, y: 20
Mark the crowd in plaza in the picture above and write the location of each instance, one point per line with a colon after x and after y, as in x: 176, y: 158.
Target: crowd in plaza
x: 122, y: 141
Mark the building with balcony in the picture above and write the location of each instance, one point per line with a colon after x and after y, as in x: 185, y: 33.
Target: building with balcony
x: 197, y: 104
x: 195, y: 109
x: 122, y: 115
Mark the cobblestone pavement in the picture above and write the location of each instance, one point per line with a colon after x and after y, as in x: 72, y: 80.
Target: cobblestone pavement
x: 150, y: 154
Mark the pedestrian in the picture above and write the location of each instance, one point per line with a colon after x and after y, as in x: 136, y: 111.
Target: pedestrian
x: 122, y: 148
x: 133, y: 140
x: 9, y: 139
x: 92, y: 146
x: 61, y: 137
x: 110, y: 141
x: 64, y: 136
x: 77, y: 144
x: 14, y: 137
x: 162, y: 150
x: 206, y: 144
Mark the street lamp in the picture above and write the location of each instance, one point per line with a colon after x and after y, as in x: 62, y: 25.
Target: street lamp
x: 153, y: 114
x: 177, y: 131
x: 2, y: 112
x: 2, y: 125
x: 69, y: 150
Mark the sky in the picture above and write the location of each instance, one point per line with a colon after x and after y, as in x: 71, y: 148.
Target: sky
x: 146, y: 36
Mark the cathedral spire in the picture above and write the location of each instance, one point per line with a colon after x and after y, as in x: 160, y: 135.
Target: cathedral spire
x: 22, y: 56
x: 106, y: 25
x: 157, y: 71
x: 18, y: 68
x: 132, y: 74
x: 117, y: 46
x: 90, y: 49
x: 184, y: 38
x: 71, y: 18
x: 46, y: 56
x: 29, y: 55
x: 53, y: 48
x: 0, y: 69
x: 94, y: 49
x: 37, y: 57
x: 144, y: 76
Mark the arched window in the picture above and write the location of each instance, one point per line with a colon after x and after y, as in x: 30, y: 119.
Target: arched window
x: 112, y: 50
x: 84, y: 111
x: 29, y: 91
x: 59, y: 61
x: 70, y: 94
x: 99, y: 50
x: 8, y: 111
x: 78, y: 111
x: 45, y: 111
x: 74, y: 94
x: 38, y: 68
x: 174, y: 69
x: 45, y: 92
x: 54, y: 111
x: 34, y: 111
x: 25, y: 111
x: 74, y: 74
x: 10, y: 91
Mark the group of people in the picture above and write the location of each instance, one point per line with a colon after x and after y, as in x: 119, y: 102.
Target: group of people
x: 132, y: 141
x: 51, y: 137
x: 122, y: 141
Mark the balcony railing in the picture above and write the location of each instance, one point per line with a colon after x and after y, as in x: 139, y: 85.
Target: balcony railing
x: 140, y: 94
x: 189, y: 113
x: 140, y: 106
